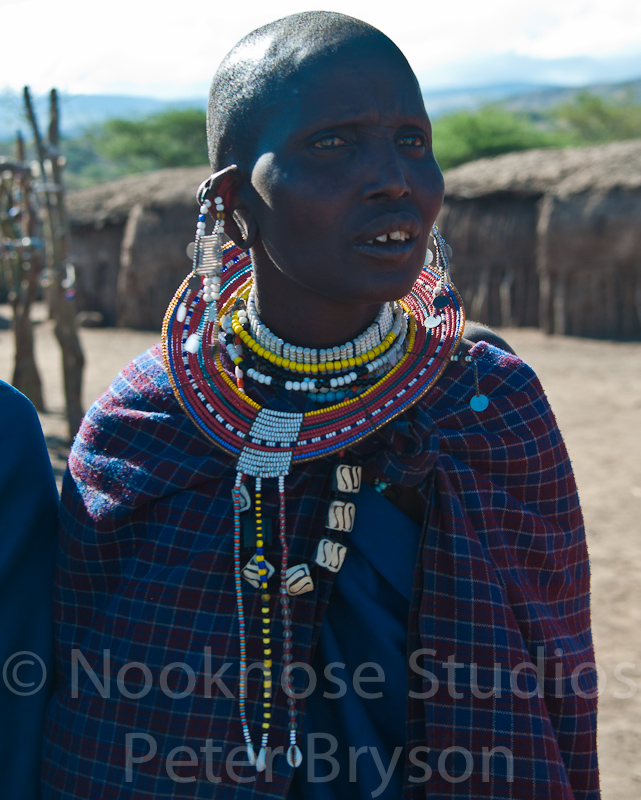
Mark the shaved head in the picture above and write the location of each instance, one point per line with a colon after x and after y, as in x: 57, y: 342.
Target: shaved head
x: 253, y: 75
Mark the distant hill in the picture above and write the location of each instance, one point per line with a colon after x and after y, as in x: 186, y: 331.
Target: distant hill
x: 489, y: 69
x: 541, y: 100
x: 444, y: 101
x: 80, y: 111
x: 521, y: 96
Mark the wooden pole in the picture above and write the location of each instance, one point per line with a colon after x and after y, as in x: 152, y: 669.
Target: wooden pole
x: 25, y: 372
x: 62, y: 293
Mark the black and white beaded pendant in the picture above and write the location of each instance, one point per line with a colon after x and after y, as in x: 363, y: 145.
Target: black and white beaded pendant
x: 341, y: 514
x: 298, y: 580
x: 206, y: 270
x: 342, y: 511
x: 347, y: 479
x: 330, y: 555
x: 251, y: 574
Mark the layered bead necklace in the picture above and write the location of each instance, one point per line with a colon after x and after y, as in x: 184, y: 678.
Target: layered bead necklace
x: 361, y: 386
x: 325, y: 375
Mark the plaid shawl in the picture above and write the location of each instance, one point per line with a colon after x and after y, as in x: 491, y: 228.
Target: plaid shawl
x: 146, y: 575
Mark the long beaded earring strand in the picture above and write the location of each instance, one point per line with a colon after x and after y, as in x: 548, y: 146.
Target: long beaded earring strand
x: 207, y: 268
x: 443, y: 253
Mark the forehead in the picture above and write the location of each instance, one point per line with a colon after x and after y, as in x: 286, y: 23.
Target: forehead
x: 353, y: 86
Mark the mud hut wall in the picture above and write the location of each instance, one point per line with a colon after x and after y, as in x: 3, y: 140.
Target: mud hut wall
x: 153, y: 263
x: 493, y: 238
x: 589, y: 263
x: 95, y: 254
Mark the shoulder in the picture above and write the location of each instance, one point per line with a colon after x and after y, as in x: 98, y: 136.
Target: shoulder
x: 140, y: 398
x: 143, y: 385
x: 514, y: 442
x: 136, y: 443
x: 16, y: 412
x: 27, y: 483
x: 475, y: 332
x: 21, y: 437
x: 517, y: 402
x: 138, y: 401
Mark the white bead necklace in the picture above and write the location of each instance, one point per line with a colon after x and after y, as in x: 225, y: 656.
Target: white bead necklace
x: 367, y: 340
x: 376, y: 368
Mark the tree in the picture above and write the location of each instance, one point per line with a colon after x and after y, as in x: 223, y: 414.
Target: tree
x: 177, y: 138
x: 490, y: 131
x: 61, y: 292
x: 589, y: 119
x: 168, y: 139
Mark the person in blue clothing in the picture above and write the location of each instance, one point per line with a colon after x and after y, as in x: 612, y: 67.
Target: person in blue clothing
x: 28, y: 536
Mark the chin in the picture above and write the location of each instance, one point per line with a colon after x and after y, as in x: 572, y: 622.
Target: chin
x: 387, y: 288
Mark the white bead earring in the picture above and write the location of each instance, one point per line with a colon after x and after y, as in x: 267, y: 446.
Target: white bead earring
x: 207, y: 266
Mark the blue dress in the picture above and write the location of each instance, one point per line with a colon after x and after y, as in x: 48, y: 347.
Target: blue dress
x: 364, y: 633
x: 28, y: 523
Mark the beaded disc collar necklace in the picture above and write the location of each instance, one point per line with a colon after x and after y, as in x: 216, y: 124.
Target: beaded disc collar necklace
x: 267, y: 443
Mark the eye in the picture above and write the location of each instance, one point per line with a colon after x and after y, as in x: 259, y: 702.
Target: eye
x: 328, y: 143
x: 413, y: 140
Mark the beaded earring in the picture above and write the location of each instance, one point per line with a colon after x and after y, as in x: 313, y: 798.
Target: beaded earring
x: 440, y: 295
x: 479, y: 401
x: 443, y: 255
x: 207, y: 267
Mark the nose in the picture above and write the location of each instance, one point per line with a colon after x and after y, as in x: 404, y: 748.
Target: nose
x: 386, y: 170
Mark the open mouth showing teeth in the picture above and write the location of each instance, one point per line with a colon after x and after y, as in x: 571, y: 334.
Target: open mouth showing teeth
x: 394, y: 236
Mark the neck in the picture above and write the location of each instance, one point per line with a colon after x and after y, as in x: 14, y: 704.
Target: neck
x: 306, y: 319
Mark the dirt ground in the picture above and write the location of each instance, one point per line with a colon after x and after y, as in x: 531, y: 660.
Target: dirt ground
x: 595, y: 390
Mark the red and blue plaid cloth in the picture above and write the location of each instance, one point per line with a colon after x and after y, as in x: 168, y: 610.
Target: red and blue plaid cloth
x: 146, y: 576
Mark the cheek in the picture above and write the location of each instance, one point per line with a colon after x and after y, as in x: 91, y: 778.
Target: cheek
x: 279, y: 184
x: 435, y: 190
x: 265, y: 177
x: 290, y: 209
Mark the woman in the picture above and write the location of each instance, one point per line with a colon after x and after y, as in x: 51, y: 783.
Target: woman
x: 318, y: 546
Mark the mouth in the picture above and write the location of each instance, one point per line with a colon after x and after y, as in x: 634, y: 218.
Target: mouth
x: 393, y: 235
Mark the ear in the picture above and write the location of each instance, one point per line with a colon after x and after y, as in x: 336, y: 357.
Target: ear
x: 239, y: 223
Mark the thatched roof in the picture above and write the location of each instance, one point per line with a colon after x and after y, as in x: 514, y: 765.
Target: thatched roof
x: 535, y: 172
x: 111, y: 202
x: 563, y: 172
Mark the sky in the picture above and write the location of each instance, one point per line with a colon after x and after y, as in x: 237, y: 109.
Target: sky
x: 171, y: 50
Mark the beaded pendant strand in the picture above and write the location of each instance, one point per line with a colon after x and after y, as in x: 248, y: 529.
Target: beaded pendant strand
x: 242, y: 690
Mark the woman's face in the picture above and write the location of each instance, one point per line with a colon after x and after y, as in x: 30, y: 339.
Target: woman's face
x: 345, y: 187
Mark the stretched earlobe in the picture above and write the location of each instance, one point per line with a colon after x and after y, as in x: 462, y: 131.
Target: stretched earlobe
x: 240, y: 225
x: 244, y: 238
